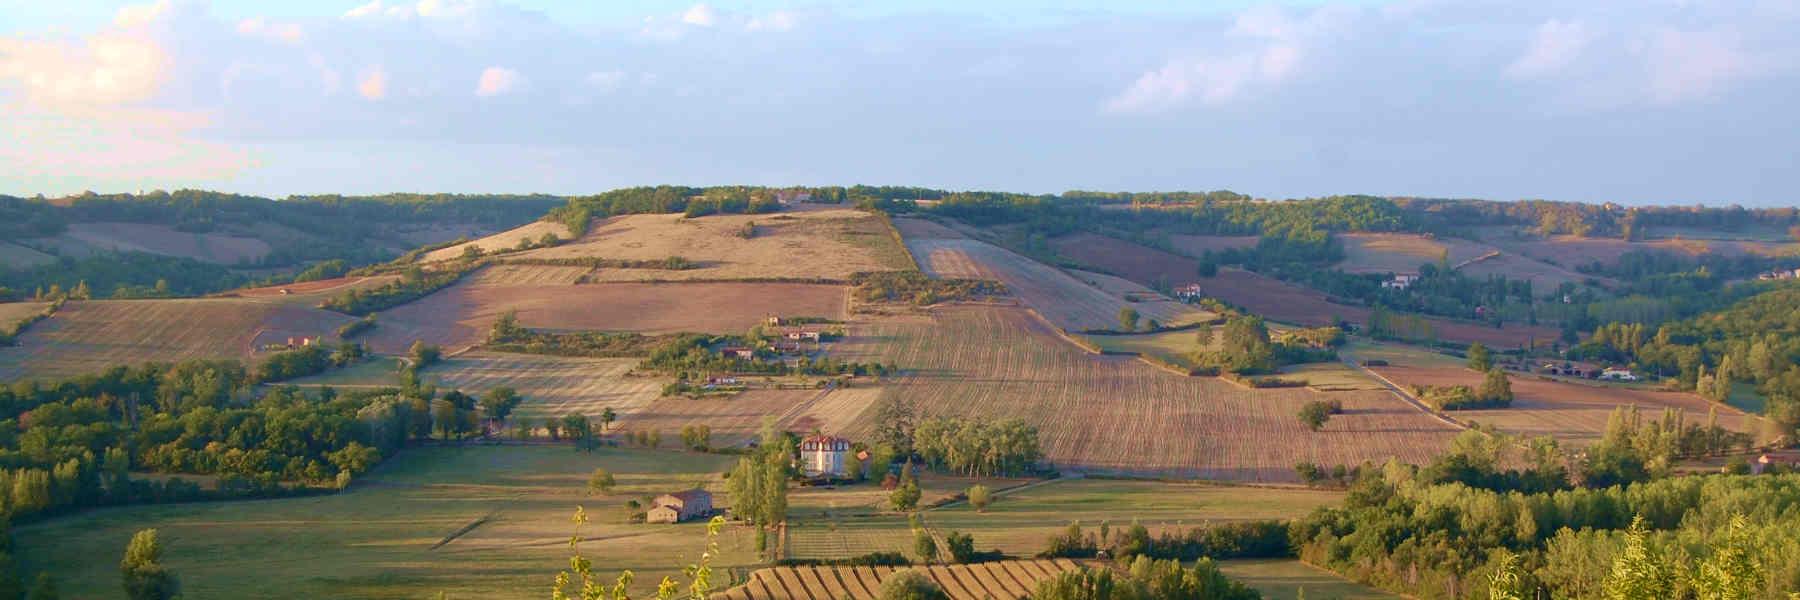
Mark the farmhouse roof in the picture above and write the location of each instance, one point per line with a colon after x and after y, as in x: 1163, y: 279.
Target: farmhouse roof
x: 825, y: 442
x: 691, y: 495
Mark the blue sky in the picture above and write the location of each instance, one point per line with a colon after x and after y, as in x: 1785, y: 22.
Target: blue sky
x: 1643, y: 101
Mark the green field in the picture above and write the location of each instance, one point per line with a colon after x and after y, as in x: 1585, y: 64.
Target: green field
x: 1176, y: 347
x: 375, y: 540
x: 1289, y: 579
x: 1745, y: 398
x: 1330, y: 377
x: 1020, y: 521
x: 379, y: 371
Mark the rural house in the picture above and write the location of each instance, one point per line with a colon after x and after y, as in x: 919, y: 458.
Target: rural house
x: 680, y: 506
x: 1188, y: 293
x: 823, y: 455
x: 1611, y: 374
x: 737, y: 352
x: 809, y: 335
x: 1400, y: 281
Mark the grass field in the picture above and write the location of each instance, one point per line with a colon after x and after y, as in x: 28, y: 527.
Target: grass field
x: 828, y: 244
x: 380, y: 371
x: 91, y: 335
x: 1330, y: 377
x: 1176, y: 347
x: 504, y: 240
x: 551, y: 385
x: 14, y: 256
x: 461, y: 315
x: 1402, y: 252
x: 1291, y: 579
x: 376, y: 540
x: 1020, y: 523
x: 986, y: 581
x: 1004, y: 363
x: 1542, y: 275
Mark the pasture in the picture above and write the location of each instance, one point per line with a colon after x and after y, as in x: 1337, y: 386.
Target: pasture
x: 1286, y: 579
x: 1542, y: 275
x: 392, y: 534
x: 551, y: 385
x: 1176, y: 347
x: 1000, y: 362
x: 15, y: 256
x: 461, y: 315
x: 88, y: 336
x: 1402, y: 252
x: 1020, y: 522
x: 820, y: 244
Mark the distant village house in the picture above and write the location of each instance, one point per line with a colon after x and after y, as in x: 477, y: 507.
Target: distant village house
x: 680, y: 506
x: 1188, y: 293
x: 1618, y: 375
x: 1400, y: 281
x: 738, y: 352
x: 824, y: 456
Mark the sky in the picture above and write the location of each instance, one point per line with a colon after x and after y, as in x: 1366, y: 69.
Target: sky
x: 1634, y: 102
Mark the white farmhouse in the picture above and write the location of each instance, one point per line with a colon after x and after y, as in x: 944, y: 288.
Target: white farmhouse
x: 823, y: 456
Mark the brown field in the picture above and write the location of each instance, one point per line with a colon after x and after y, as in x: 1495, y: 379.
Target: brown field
x: 551, y: 385
x: 1003, y: 363
x: 1061, y: 298
x: 92, y: 335
x: 82, y: 239
x: 1195, y: 245
x: 1570, y: 251
x: 500, y: 241
x: 1573, y: 413
x: 820, y: 244
x: 914, y: 228
x: 529, y: 275
x: 461, y: 315
x: 314, y: 290
x: 13, y: 312
x: 736, y: 420
x: 14, y: 256
x: 1266, y: 296
x: 1544, y: 277
x: 985, y: 581
x: 1402, y: 252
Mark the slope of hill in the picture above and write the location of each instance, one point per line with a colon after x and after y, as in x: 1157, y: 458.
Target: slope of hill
x: 89, y: 336
x: 821, y: 244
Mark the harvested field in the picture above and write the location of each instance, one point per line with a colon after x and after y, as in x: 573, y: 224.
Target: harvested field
x: 14, y: 256
x: 1195, y: 245
x: 735, y: 420
x: 1266, y: 296
x: 1061, y: 298
x: 504, y: 240
x: 1402, y: 252
x: 986, y: 581
x: 920, y: 229
x: 551, y: 385
x: 1542, y: 275
x: 822, y: 244
x: 1572, y: 252
x: 13, y: 312
x: 833, y: 412
x: 91, y: 335
x: 1004, y: 363
x: 1573, y: 413
x: 529, y: 275
x: 461, y: 315
x: 82, y: 239
x: 314, y: 291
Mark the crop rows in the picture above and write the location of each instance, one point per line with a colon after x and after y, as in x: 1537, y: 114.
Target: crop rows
x: 1064, y: 300
x: 91, y: 335
x: 530, y: 275
x: 1113, y: 414
x: 551, y: 385
x: 1004, y: 579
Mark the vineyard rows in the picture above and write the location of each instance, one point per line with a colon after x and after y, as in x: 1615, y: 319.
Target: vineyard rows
x: 1114, y: 414
x: 1004, y: 579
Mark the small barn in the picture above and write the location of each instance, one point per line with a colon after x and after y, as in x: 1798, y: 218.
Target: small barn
x: 823, y: 456
x: 680, y: 506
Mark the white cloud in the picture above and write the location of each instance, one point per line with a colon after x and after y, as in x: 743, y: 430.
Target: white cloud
x: 700, y: 15
x: 780, y: 20
x: 373, y: 85
x: 1266, y: 48
x: 290, y: 33
x: 606, y: 80
x: 143, y: 14
x: 106, y: 69
x: 495, y: 81
x: 1555, y: 45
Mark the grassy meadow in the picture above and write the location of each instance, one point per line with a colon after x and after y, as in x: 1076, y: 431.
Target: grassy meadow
x: 381, y: 539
